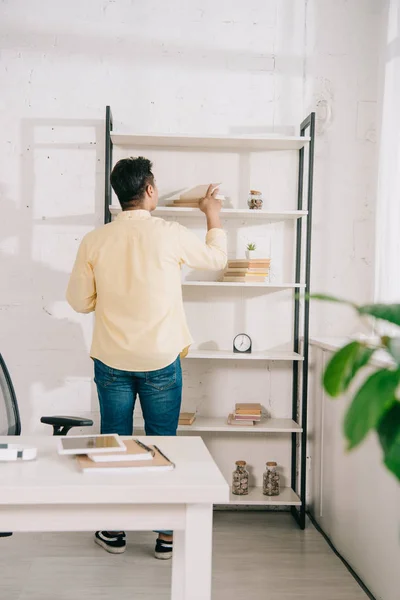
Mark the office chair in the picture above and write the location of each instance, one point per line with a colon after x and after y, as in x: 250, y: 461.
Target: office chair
x: 10, y: 421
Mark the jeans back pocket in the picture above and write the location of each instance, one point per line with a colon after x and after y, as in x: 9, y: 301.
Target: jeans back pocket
x: 163, y: 379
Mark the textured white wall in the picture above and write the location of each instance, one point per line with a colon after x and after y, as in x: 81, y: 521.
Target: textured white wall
x: 177, y: 66
x: 354, y: 498
x: 387, y: 284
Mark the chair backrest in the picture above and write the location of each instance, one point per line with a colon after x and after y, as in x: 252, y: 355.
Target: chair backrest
x: 10, y: 422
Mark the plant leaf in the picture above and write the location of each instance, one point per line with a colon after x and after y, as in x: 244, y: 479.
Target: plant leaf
x: 360, y: 360
x: 389, y: 437
x: 392, y: 345
x: 327, y: 298
x: 343, y: 366
x: 386, y: 312
x: 370, y: 403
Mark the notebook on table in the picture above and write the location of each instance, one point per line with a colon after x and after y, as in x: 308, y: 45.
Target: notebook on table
x: 159, y: 462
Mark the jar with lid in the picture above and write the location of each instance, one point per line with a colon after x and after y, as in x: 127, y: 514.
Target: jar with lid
x: 240, y: 479
x: 255, y: 201
x: 271, y: 480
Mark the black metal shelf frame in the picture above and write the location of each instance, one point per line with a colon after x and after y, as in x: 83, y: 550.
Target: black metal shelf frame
x: 302, y: 322
x: 301, y: 300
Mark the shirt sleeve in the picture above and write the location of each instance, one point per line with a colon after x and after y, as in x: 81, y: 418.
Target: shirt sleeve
x: 81, y: 291
x: 209, y: 256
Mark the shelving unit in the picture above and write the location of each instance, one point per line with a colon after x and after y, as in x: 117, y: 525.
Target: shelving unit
x: 220, y: 425
x: 210, y: 142
x: 234, y: 284
x: 227, y: 355
x: 226, y: 213
x: 296, y: 427
x: 255, y: 497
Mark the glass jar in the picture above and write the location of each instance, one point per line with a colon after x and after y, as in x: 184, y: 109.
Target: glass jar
x: 255, y: 201
x: 271, y: 480
x: 240, y: 479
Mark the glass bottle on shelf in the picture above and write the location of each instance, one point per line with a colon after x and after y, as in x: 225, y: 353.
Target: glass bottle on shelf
x: 255, y: 200
x: 271, y: 480
x: 240, y: 479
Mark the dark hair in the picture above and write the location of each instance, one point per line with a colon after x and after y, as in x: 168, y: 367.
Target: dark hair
x: 130, y: 178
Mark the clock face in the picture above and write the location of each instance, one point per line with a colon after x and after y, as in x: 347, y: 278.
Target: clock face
x: 242, y: 343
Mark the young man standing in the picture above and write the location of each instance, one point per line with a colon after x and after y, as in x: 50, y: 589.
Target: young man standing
x: 129, y: 273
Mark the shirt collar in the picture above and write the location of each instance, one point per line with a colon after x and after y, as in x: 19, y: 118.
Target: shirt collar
x: 137, y: 215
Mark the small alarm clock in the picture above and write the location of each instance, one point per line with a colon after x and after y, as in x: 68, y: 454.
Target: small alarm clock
x: 242, y: 344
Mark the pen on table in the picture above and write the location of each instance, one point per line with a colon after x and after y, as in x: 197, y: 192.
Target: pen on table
x: 163, y: 455
x: 145, y: 447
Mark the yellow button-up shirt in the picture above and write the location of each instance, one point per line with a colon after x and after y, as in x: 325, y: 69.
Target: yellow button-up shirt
x: 129, y: 273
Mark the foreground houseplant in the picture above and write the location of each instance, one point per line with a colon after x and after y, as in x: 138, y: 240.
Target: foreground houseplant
x: 375, y: 405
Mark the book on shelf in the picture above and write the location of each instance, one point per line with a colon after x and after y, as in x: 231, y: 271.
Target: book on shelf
x: 158, y: 462
x: 233, y: 421
x: 187, y: 418
x: 254, y: 263
x: 256, y: 417
x: 246, y: 408
x: 243, y: 279
x: 247, y: 271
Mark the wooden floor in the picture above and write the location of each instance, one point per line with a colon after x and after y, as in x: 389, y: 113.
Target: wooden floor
x: 257, y: 556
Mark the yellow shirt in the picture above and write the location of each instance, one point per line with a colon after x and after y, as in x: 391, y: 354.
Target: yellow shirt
x: 129, y: 273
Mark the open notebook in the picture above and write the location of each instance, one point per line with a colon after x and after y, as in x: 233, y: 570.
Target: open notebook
x: 158, y: 463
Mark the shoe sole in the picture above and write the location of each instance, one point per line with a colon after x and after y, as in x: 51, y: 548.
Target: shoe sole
x: 108, y: 548
x: 163, y: 555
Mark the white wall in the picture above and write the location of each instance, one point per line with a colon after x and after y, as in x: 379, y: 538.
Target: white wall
x: 387, y: 286
x: 207, y: 67
x: 353, y: 497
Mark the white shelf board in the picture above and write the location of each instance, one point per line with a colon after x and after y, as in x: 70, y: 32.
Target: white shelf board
x: 219, y: 424
x: 255, y: 497
x: 211, y: 142
x: 231, y: 213
x: 230, y: 355
x: 242, y: 284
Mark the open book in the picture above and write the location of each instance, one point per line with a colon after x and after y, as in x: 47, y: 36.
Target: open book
x: 159, y: 462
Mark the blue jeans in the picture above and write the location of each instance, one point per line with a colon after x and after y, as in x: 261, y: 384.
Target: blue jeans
x: 160, y: 395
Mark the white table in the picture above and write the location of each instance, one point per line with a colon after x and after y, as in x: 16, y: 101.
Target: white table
x: 51, y: 494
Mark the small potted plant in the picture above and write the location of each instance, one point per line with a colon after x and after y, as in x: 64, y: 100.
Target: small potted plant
x: 250, y: 251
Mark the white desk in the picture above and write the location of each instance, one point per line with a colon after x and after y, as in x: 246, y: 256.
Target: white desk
x: 51, y: 494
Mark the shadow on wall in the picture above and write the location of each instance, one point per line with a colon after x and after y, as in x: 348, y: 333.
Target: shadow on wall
x: 44, y: 343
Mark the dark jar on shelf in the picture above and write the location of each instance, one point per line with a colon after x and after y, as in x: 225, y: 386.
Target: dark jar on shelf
x: 240, y: 479
x: 271, y: 480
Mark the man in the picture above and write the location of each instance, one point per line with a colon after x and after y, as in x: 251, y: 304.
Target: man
x: 129, y: 273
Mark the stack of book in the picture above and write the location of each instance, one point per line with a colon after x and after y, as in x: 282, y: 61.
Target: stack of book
x: 245, y: 414
x: 187, y: 418
x: 137, y: 458
x: 254, y: 270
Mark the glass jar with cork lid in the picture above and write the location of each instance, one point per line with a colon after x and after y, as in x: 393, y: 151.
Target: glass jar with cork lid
x: 240, y: 479
x: 271, y: 480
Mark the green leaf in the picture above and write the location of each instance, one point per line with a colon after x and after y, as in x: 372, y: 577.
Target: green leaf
x: 386, y: 312
x: 392, y: 344
x: 343, y: 366
x: 389, y: 437
x: 370, y: 403
x: 327, y: 298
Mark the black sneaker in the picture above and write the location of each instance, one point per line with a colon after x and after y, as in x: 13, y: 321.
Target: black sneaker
x: 111, y: 541
x: 163, y: 549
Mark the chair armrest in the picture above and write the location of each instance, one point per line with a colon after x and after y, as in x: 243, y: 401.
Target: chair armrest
x: 61, y: 424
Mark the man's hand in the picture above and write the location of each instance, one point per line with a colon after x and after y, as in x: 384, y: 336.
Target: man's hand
x: 210, y: 205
